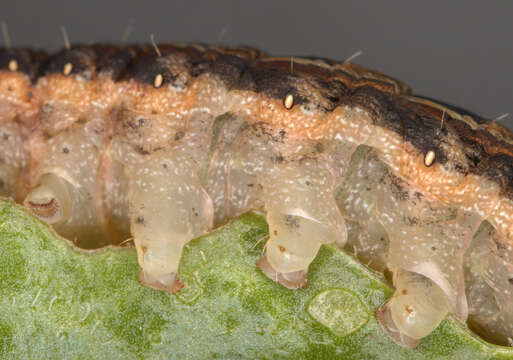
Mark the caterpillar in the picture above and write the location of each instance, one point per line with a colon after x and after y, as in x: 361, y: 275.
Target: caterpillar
x: 164, y: 143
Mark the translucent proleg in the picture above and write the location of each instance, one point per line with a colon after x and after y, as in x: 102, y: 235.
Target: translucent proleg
x: 488, y: 270
x: 427, y: 237
x: 302, y: 215
x: 417, y: 307
x: 51, y: 199
x: 294, y: 241
x: 73, y: 158
x: 168, y: 208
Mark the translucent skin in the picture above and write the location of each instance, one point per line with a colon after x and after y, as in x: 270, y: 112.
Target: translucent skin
x: 105, y: 157
x: 301, y: 213
x: 418, y: 305
x: 16, y: 116
x: 488, y: 268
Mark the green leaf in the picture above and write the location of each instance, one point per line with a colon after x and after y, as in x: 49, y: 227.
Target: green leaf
x: 60, y: 303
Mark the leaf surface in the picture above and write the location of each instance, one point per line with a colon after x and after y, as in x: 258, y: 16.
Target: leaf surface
x: 57, y: 302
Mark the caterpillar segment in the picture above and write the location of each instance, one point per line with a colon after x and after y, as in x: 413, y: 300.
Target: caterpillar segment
x: 108, y: 142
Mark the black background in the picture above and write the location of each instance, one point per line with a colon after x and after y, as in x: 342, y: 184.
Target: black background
x: 460, y: 52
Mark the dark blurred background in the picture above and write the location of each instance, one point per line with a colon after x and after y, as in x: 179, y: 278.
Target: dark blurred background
x: 460, y: 52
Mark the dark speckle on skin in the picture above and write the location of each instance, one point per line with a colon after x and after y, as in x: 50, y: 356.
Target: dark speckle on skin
x: 140, y: 150
x: 179, y: 135
x: 291, y: 221
x: 278, y: 159
x: 411, y: 220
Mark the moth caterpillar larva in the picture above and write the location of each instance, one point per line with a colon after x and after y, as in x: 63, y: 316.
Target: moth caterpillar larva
x: 111, y: 142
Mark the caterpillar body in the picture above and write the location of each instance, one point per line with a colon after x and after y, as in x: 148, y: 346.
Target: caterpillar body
x: 111, y: 142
